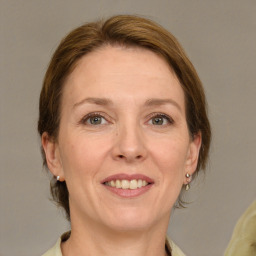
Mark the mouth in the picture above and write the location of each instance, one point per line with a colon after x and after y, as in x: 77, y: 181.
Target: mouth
x: 128, y: 185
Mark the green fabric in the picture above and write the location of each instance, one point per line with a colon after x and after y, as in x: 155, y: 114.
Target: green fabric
x: 243, y: 240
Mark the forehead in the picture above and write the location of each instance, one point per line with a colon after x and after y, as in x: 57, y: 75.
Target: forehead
x: 115, y: 71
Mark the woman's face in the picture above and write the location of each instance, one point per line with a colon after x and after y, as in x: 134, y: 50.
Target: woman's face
x: 123, y: 146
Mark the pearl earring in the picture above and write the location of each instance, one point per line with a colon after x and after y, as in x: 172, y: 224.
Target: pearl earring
x: 189, y: 178
x: 58, y: 178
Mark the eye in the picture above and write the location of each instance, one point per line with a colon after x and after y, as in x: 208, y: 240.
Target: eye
x: 160, y: 119
x: 94, y: 119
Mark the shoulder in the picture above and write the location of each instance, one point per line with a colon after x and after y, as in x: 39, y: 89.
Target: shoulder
x: 56, y: 249
x: 176, y: 251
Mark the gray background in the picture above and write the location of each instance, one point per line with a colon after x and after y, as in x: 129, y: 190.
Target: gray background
x: 220, y: 39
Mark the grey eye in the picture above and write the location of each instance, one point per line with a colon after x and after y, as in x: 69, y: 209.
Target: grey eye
x: 96, y: 120
x: 159, y: 120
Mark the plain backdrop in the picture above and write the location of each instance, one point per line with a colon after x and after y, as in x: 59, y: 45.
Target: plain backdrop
x: 220, y: 39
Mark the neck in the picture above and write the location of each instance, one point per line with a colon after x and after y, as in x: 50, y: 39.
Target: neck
x: 89, y: 239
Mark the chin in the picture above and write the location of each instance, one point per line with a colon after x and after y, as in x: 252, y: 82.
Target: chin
x: 131, y: 220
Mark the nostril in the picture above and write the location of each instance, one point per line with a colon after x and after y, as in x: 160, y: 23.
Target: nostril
x: 123, y: 156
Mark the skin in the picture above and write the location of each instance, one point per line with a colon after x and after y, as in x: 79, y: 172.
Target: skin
x: 131, y: 89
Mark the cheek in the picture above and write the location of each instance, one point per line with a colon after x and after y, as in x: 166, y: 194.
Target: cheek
x: 82, y: 155
x: 171, y: 153
x: 170, y: 158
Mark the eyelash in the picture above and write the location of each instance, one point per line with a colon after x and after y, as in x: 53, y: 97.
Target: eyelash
x: 164, y: 116
x: 91, y: 115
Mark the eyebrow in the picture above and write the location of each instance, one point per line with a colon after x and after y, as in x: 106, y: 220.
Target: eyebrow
x: 97, y: 101
x: 108, y: 102
x: 160, y: 102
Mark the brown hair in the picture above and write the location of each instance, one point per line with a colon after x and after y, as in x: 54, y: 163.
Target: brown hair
x: 128, y: 31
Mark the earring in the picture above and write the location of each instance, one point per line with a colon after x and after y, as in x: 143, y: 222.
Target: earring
x: 189, y: 178
x: 58, y: 178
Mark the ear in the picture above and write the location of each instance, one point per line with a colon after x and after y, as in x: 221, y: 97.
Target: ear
x: 52, y: 154
x: 193, y: 155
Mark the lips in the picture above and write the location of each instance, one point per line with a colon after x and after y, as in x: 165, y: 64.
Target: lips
x: 128, y: 185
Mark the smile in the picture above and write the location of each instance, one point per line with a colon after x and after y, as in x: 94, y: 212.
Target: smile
x: 126, y: 184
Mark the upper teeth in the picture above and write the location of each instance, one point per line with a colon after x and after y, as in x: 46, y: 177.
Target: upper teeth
x: 126, y: 184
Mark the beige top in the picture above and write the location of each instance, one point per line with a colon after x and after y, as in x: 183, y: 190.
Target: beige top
x: 172, y: 249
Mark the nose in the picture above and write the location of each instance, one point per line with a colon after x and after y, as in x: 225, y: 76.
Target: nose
x: 130, y: 143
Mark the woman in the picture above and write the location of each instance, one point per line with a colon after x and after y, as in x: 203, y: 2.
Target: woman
x: 124, y: 129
